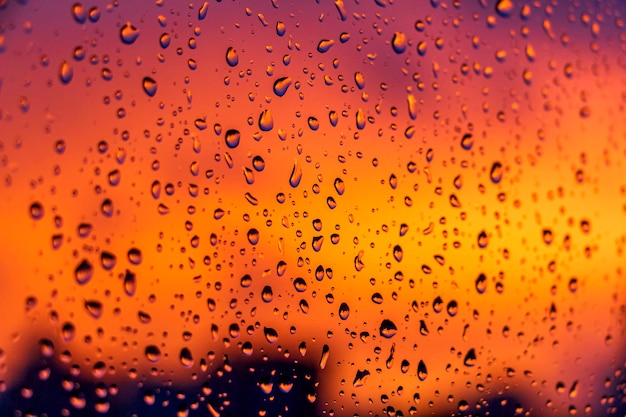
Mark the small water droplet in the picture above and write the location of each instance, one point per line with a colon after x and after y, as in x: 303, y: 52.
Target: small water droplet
x: 153, y: 353
x: 281, y: 85
x: 232, y: 138
x: 83, y: 272
x: 496, y: 173
x: 422, y: 372
x: 324, y: 45
x: 399, y: 42
x: 266, y: 121
x: 470, y: 358
x: 130, y: 283
x: 344, y: 311
x: 481, y: 283
x: 232, y: 58
x: 186, y: 358
x: 483, y: 241
x: 296, y: 174
x: 93, y: 308
x: 504, y: 7
x: 79, y: 12
x: 271, y: 335
x: 267, y: 295
x: 398, y: 254
x: 467, y: 141
x: 203, y: 10
x: 324, y: 357
x: 253, y: 236
x: 149, y: 86
x: 36, y: 211
x: 66, y: 72
x: 128, y: 33
x: 358, y: 261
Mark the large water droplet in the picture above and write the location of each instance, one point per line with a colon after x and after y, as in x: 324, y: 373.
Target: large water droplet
x: 253, y: 236
x: 483, y: 241
x: 504, y: 7
x: 93, y: 308
x: 360, y: 378
x: 324, y: 357
x: 388, y: 329
x: 271, y: 335
x: 470, y: 358
x: 36, y: 211
x: 324, y: 45
x: 481, y: 283
x: 130, y: 283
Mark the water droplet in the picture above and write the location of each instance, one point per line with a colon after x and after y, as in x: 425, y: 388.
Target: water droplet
x: 186, y: 358
x: 130, y: 283
x: 344, y: 311
x: 314, y: 124
x: 165, y: 40
x: 422, y: 372
x: 107, y: 207
x: 107, y: 260
x: 572, y: 285
x: 83, y: 272
x: 358, y: 261
x: 258, y: 163
x: 203, y: 10
x: 267, y: 295
x: 438, y: 305
x: 398, y: 253
x: 232, y: 138
x: 359, y: 79
x: 66, y: 72
x: 253, y: 236
x: 281, y: 85
x: 470, y: 358
x: 296, y: 174
x: 324, y: 357
x: 232, y: 58
x: 399, y: 42
x: 483, y: 241
x: 504, y: 7
x: 496, y: 173
x: 79, y: 12
x: 360, y: 119
x: 129, y: 33
x: 68, y: 331
x: 481, y: 283
x: 153, y: 353
x: 452, y: 308
x: 340, y: 186
x: 134, y: 256
x: 271, y: 335
x: 144, y: 317
x: 547, y: 236
x: 149, y: 86
x: 93, y: 308
x: 388, y: 329
x: 317, y: 242
x: 467, y: 141
x: 266, y: 121
x: 36, y: 211
x: 324, y: 45
x: 361, y: 378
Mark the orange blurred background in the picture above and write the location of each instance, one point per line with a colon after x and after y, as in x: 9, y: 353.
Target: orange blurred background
x: 462, y: 181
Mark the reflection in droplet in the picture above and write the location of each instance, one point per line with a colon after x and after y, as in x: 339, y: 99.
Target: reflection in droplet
x: 399, y: 42
x: 153, y: 353
x: 496, y: 172
x: 186, y: 358
x: 344, y: 311
x: 422, y: 372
